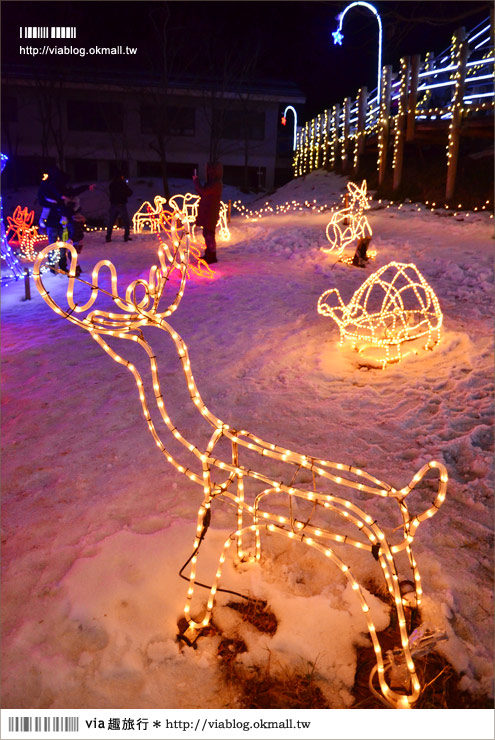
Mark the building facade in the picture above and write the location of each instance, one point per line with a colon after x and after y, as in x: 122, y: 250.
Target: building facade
x: 90, y: 127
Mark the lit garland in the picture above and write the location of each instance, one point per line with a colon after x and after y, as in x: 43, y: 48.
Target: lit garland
x: 350, y: 223
x: 459, y: 48
x: 325, y: 138
x: 148, y: 218
x: 127, y: 324
x: 395, y: 305
x: 31, y: 243
x: 334, y: 127
x: 12, y: 263
x: 287, y: 207
x: 402, y: 110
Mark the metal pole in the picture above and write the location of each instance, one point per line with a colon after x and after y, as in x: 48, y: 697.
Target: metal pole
x: 27, y: 286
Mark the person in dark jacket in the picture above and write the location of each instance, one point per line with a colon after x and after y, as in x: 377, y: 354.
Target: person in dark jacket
x: 53, y: 195
x: 119, y: 193
x: 209, y: 207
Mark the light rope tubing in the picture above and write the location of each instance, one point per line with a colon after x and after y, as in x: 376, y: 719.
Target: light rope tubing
x: 137, y: 314
x: 393, y: 324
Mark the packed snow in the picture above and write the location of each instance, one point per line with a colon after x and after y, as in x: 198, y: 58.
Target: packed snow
x: 96, y: 524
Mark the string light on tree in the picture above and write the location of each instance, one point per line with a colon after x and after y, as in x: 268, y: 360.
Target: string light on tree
x: 221, y: 467
x: 394, y: 307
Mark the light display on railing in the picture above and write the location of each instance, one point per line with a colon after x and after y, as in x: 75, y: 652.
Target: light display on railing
x: 349, y: 223
x: 14, y: 269
x: 395, y: 306
x: 222, y: 473
x: 431, y: 75
x: 146, y: 217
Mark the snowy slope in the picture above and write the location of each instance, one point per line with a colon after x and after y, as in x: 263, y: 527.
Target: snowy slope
x: 96, y: 525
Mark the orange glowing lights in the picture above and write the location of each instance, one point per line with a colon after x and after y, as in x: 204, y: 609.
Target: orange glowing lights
x: 20, y: 222
x: 394, y: 307
x: 237, y: 466
x: 349, y: 223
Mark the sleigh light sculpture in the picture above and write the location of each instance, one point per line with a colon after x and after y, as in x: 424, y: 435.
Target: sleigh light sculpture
x: 349, y: 224
x: 237, y: 467
x: 174, y: 230
x: 146, y: 217
x: 394, y: 307
x: 186, y: 209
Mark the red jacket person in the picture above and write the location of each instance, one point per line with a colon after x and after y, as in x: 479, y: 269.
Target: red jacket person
x: 209, y: 207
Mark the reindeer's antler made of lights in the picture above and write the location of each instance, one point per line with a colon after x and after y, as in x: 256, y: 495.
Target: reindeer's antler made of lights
x: 132, y: 316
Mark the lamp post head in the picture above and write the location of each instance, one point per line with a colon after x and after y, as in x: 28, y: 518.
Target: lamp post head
x: 338, y: 37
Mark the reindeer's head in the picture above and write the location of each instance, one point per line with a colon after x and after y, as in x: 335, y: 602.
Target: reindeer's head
x: 139, y: 307
x: 359, y: 197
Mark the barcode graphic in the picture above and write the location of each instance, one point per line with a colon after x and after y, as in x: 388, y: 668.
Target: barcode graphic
x: 44, y: 32
x: 44, y: 724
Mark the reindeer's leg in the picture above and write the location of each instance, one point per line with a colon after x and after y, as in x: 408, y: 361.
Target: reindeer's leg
x: 239, y: 499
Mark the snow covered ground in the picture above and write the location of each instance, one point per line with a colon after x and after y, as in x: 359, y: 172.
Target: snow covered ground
x: 96, y: 524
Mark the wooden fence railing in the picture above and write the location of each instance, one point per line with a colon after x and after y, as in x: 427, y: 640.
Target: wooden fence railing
x: 450, y: 86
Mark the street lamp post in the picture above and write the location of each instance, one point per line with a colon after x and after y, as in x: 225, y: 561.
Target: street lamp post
x: 284, y: 121
x: 338, y: 37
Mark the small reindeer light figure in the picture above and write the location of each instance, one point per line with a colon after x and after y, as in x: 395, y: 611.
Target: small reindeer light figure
x: 349, y: 224
x: 237, y: 466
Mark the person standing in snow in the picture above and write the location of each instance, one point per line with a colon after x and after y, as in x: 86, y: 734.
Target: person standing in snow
x: 209, y: 207
x: 53, y: 194
x: 119, y: 193
x: 77, y: 222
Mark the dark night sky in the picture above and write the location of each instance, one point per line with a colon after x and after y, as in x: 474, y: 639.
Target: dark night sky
x: 293, y: 38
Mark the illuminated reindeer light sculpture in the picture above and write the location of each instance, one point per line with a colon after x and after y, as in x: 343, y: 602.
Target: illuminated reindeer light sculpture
x: 349, y: 223
x: 255, y: 491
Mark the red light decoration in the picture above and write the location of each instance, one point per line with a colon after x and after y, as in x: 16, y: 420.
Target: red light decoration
x: 20, y: 222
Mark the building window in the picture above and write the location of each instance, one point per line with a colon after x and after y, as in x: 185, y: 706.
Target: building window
x: 149, y: 169
x: 94, y: 116
x: 171, y: 119
x: 83, y: 169
x: 241, y: 125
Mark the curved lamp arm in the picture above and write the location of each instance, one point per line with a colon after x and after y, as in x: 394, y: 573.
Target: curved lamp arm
x: 287, y: 109
x: 338, y: 37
